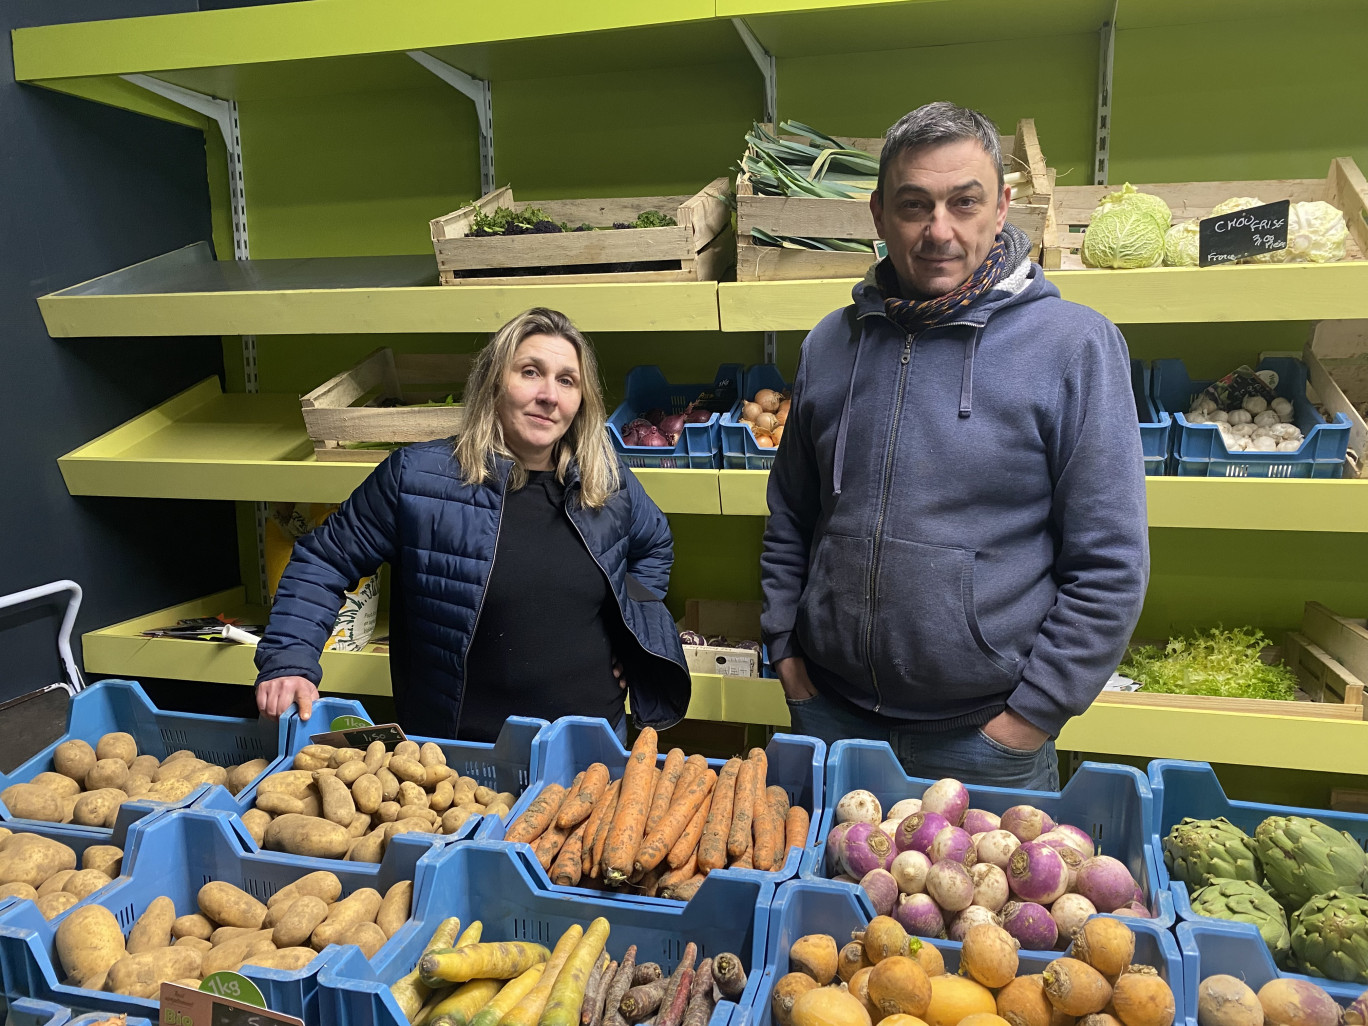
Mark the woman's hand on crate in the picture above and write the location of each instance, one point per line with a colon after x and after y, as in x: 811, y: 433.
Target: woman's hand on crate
x: 793, y: 675
x: 276, y: 696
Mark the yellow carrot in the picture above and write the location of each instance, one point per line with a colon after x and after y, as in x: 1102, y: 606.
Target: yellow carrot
x: 410, y: 992
x: 527, y: 1011
x: 461, y: 1007
x: 481, y: 962
x: 513, y: 992
x: 567, y: 994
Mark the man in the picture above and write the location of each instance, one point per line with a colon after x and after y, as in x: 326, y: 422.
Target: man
x: 956, y: 553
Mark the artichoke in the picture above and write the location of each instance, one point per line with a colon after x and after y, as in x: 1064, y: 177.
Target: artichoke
x: 1197, y: 851
x: 1245, y: 902
x: 1330, y: 936
x: 1302, y: 857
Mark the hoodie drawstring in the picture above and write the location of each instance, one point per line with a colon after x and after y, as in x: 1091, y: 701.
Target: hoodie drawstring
x: 966, y: 407
x: 844, y: 428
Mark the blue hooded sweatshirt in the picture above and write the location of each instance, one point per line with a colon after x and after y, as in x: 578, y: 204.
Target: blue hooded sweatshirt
x: 957, y: 517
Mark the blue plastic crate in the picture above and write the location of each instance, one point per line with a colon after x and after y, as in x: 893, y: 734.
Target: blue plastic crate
x: 574, y: 742
x: 122, y: 705
x: 175, y: 855
x: 824, y: 906
x: 27, y: 1012
x: 1190, y: 790
x: 1212, y: 947
x: 1199, y: 451
x: 739, y: 448
x: 1111, y: 802
x: 1156, y: 426
x: 489, y: 881
x: 96, y: 1018
x: 78, y: 839
x: 699, y: 444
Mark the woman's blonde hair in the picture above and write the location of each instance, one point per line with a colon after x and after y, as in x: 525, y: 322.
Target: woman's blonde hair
x: 585, y: 443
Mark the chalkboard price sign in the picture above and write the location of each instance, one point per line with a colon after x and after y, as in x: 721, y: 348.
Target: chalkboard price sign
x: 361, y: 737
x: 1242, y: 233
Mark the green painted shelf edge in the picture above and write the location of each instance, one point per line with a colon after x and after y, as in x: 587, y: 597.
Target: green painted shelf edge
x: 1332, y: 746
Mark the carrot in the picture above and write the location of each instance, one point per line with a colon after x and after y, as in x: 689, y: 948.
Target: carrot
x: 592, y: 1012
x: 700, y: 1006
x: 665, y: 787
x: 686, y: 890
x: 688, y: 800
x: 513, y: 992
x: 527, y: 1011
x: 472, y: 935
x: 769, y: 826
x: 746, y: 861
x: 686, y: 848
x: 464, y: 1002
x: 712, y: 848
x: 537, y: 816
x: 578, y: 807
x: 548, y: 845
x: 675, y: 876
x: 591, y: 828
x: 686, y: 964
x: 795, y: 828
x: 410, y: 992
x: 611, y: 801
x: 501, y: 961
x: 639, y: 1002
x: 779, y: 804
x: 671, y: 1014
x: 569, y: 797
x: 629, y: 821
x: 728, y: 976
x: 569, y: 864
x: 743, y: 808
x: 618, y: 986
x: 567, y: 994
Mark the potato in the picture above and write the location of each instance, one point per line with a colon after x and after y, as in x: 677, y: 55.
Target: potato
x: 231, y: 953
x: 407, y: 749
x: 99, y: 808
x: 277, y: 803
x: 174, y: 769
x: 5, y: 834
x: 368, y: 937
x: 69, y: 807
x: 288, y: 959
x: 417, y: 812
x: 389, y: 783
x: 205, y: 773
x: 18, y: 890
x: 463, y: 793
x: 137, y: 785
x: 145, y: 765
x: 313, y: 757
x: 73, y: 759
x: 441, y: 797
x: 412, y: 794
x: 193, y: 925
x: 370, y: 848
x: 56, y: 883
x: 345, y: 755
x: 350, y: 772
x: 173, y: 790
x: 295, y: 783
x: 85, y: 882
x: 375, y: 756
x: 345, y: 916
x: 107, y: 858
x: 223, y: 934
x: 360, y: 825
x: 50, y: 906
x: 135, y: 973
x: 388, y: 812
x: 485, y: 795
x: 507, y: 798
x: 395, y: 908
x: 338, y: 806
x: 305, y: 835
x: 33, y: 801
x: 320, y: 884
x: 58, y: 783
x: 153, y: 928
x: 414, y: 824
x: 256, y: 821
x: 367, y: 794
x: 453, y: 820
x: 241, y: 776
x: 89, y: 942
x: 117, y: 745
x: 408, y: 769
x: 182, y: 753
x: 299, y: 920
x: 228, y: 905
x: 107, y: 773
x: 497, y: 809
x: 197, y: 943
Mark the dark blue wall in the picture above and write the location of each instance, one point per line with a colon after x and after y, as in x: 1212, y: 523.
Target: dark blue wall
x: 86, y: 189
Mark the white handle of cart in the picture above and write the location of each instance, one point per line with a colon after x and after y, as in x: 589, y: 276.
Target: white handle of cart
x: 74, y: 681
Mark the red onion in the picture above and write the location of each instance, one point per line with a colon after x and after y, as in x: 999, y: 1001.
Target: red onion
x: 996, y: 847
x: 1026, y: 822
x: 655, y: 416
x: 977, y: 821
x: 653, y: 438
x: 1037, y: 873
x: 637, y: 425
x: 882, y: 890
x: 1031, y: 924
x: 990, y: 886
x: 918, y: 830
x: 697, y: 417
x: 863, y: 848
x: 1080, y: 840
x: 947, y: 797
x: 952, y: 843
x: 920, y: 915
x: 1070, y: 911
x: 971, y: 917
x: 949, y: 884
x: 671, y: 425
x: 1106, y: 882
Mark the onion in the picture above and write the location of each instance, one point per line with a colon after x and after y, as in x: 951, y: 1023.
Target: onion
x: 1037, y: 873
x: 901, y: 810
x: 671, y: 425
x: 909, y: 868
x: 953, y: 844
x: 949, y: 884
x: 977, y: 821
x: 996, y: 847
x: 749, y: 411
x: 1026, y: 821
x: 781, y: 415
x: 766, y: 422
x: 1078, y: 839
x: 637, y: 425
x: 918, y: 830
x: 971, y: 917
x: 768, y: 399
x: 948, y: 797
x: 920, y: 916
x: 990, y: 886
x: 863, y: 848
x: 1106, y: 882
x: 1031, y: 924
x: 858, y: 807
x: 697, y: 417
x: 882, y: 890
x: 1070, y: 911
x: 654, y: 438
x: 632, y: 436
x: 654, y: 416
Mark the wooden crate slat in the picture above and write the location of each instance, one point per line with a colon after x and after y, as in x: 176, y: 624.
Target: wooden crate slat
x: 610, y: 247
x: 1344, y: 639
x: 375, y: 371
x: 587, y: 278
x: 1322, y: 675
x: 1334, y: 400
x: 1268, y: 707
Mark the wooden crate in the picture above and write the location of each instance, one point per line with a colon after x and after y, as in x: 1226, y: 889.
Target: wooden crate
x: 1336, y: 358
x: 698, y: 248
x: 851, y: 219
x: 740, y: 620
x: 1329, y: 655
x: 1343, y: 186
x: 345, y: 408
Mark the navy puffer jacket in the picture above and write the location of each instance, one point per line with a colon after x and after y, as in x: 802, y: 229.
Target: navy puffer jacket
x: 438, y: 534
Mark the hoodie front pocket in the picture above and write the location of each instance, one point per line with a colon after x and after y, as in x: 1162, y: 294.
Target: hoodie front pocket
x: 926, y: 629
x: 833, y: 614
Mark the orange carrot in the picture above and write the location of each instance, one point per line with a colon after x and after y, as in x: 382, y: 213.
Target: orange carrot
x: 712, y: 848
x: 578, y: 806
x: 744, y: 862
x: 688, y: 800
x: 610, y: 803
x: 665, y: 787
x: 779, y: 801
x: 591, y: 827
x: 795, y: 828
x: 549, y: 845
x: 538, y: 815
x: 678, y: 876
x: 771, y: 807
x: 629, y: 821
x: 684, y: 891
x: 568, y: 867
x: 686, y: 848
x: 572, y: 790
x: 743, y: 808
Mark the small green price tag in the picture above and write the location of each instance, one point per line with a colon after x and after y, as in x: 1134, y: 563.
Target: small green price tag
x: 233, y: 985
x: 348, y: 723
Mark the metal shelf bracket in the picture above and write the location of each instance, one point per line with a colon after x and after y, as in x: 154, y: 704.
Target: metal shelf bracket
x: 1102, y: 140
x: 765, y: 61
x: 481, y: 94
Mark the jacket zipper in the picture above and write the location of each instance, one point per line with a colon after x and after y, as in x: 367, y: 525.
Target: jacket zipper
x: 465, y: 659
x: 878, y: 524
x: 613, y: 591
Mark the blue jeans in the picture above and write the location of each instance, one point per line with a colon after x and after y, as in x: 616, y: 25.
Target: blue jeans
x: 968, y: 755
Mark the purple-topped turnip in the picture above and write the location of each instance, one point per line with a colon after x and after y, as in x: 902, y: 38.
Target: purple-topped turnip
x: 909, y: 869
x: 902, y: 809
x: 1036, y: 873
x: 1031, y: 924
x: 969, y: 918
x: 952, y: 843
x: 918, y: 830
x: 990, y: 886
x: 859, y: 807
x: 1070, y: 911
x: 996, y: 847
x: 949, y: 884
x: 1026, y: 822
x: 1106, y: 882
x: 977, y: 821
x: 882, y: 890
x: 1136, y: 909
x: 835, y: 840
x: 948, y: 797
x: 863, y: 848
x: 920, y: 915
x: 1078, y: 839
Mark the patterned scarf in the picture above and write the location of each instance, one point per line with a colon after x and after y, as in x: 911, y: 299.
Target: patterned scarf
x: 914, y: 315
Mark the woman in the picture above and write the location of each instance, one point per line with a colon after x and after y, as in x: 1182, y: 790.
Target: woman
x: 528, y: 566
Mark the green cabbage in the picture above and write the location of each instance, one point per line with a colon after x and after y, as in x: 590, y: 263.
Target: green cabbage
x: 1181, y: 245
x: 1130, y: 196
x: 1233, y: 204
x: 1123, y: 235
x: 1316, y: 232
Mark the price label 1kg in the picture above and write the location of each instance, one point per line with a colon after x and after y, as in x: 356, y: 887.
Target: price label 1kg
x: 348, y: 723
x: 215, y: 1005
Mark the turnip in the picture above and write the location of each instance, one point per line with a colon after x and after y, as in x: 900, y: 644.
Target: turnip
x: 863, y: 848
x: 882, y: 938
x: 1297, y: 1003
x: 1036, y: 873
x: 970, y: 917
x: 989, y: 956
x: 1031, y: 924
x: 1070, y: 911
x: 882, y: 890
x: 1227, y: 1001
x: 1076, y: 988
x: 949, y: 884
x: 834, y: 841
x: 1026, y: 822
x: 918, y: 830
x: 920, y: 915
x: 909, y: 868
x: 1106, y: 945
x: 1106, y: 882
x: 1143, y: 998
x: 996, y: 847
x: 977, y: 821
x: 890, y: 826
x: 1023, y: 1002
x: 948, y: 797
x: 898, y: 986
x: 1076, y: 838
x: 814, y: 954
x: 901, y: 810
x: 952, y: 843
x: 990, y: 886
x: 859, y: 807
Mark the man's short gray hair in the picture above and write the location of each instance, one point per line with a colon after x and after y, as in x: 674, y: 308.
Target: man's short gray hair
x: 933, y: 124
